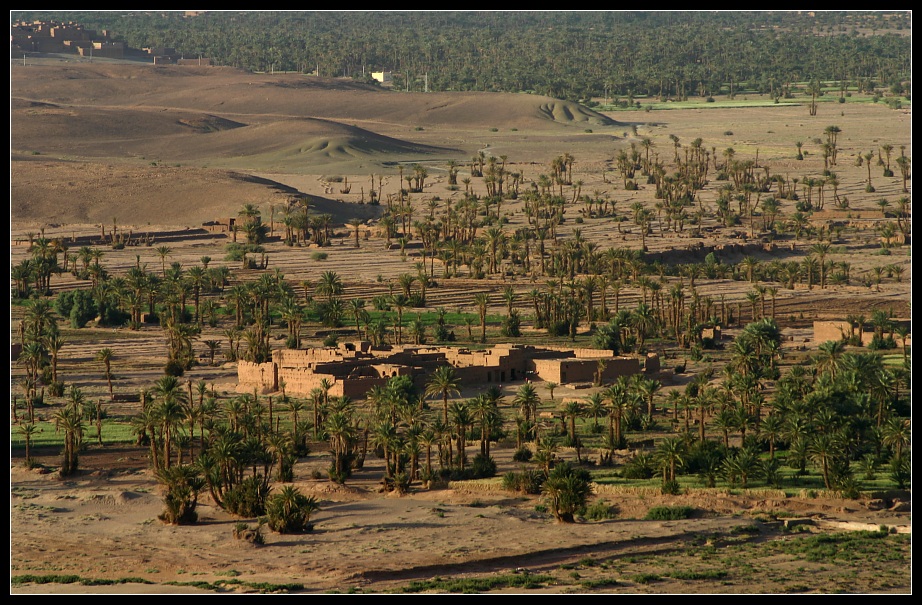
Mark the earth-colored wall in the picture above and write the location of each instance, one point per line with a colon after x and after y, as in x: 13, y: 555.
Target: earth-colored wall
x: 263, y: 376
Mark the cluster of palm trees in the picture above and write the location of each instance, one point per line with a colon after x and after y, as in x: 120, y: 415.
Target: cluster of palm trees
x: 303, y: 225
x: 238, y: 448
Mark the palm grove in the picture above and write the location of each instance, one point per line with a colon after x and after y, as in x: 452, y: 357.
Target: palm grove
x: 842, y: 413
x: 627, y: 55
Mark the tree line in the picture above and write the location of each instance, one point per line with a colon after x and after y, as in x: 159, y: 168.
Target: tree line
x: 569, y: 55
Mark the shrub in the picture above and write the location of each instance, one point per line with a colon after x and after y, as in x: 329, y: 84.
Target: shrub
x: 174, y: 367
x: 525, y: 482
x: 78, y: 305
x: 671, y: 488
x: 319, y: 256
x: 601, y: 510
x: 523, y: 454
x: 901, y: 471
x: 483, y: 466
x: 511, y: 325
x: 182, y: 485
x: 669, y: 513
x: 638, y: 467
x: 242, y: 531
x: 400, y: 482
x: 289, y: 511
x: 566, y: 491
x: 878, y: 343
x: 247, y: 498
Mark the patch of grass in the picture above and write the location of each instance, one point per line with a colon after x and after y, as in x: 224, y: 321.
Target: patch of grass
x: 220, y: 585
x: 853, y: 546
x: 747, y: 530
x: 711, y: 574
x: 478, y: 585
x: 600, y: 583
x: 72, y: 579
x: 113, y: 432
x: 231, y: 573
x: 646, y: 578
x: 601, y: 510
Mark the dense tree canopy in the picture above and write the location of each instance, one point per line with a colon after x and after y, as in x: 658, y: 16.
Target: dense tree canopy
x: 573, y: 55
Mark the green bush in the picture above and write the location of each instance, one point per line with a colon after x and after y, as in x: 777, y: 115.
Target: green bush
x: 174, y: 367
x: 525, y: 482
x: 566, y: 491
x: 669, y: 513
x: 639, y: 467
x: 182, y: 485
x: 523, y: 454
x: 247, y: 498
x: 77, y: 305
x: 483, y: 466
x: 289, y: 511
x: 601, y: 510
x: 671, y: 488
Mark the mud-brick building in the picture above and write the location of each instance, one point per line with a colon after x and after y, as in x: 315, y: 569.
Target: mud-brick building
x: 351, y: 369
x: 843, y: 330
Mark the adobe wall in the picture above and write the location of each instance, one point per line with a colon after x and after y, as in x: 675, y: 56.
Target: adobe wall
x: 581, y: 353
x: 304, y: 357
x: 301, y: 381
x: 262, y: 376
x: 571, y: 370
x: 831, y: 330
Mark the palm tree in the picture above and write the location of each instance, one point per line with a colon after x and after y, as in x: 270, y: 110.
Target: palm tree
x: 572, y: 410
x: 487, y: 413
x: 69, y: 419
x: 671, y: 454
x: 771, y: 431
x: 330, y: 285
x: 462, y: 420
x: 648, y: 387
x: 829, y: 357
x: 341, y: 433
x: 482, y: 300
x: 896, y: 433
x: 822, y: 449
x: 644, y: 321
x: 443, y: 382
x: 622, y: 401
x: 105, y: 356
x: 595, y: 407
x: 163, y: 252
x: 400, y: 302
x: 567, y: 489
x: 28, y: 430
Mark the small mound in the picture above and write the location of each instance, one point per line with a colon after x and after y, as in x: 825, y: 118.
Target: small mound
x: 207, y: 124
x: 125, y: 497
